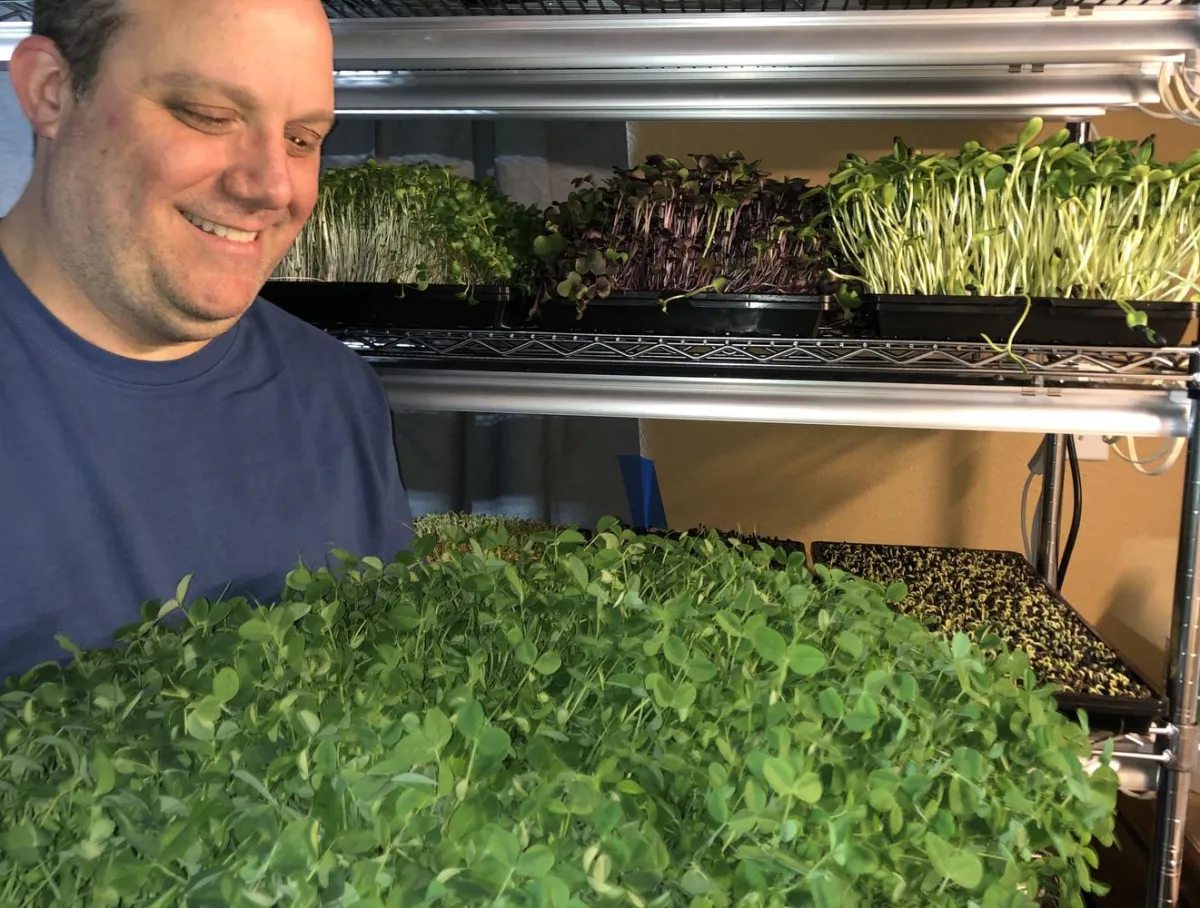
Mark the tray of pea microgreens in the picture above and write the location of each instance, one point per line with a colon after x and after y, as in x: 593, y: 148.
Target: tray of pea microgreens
x: 544, y: 717
x: 979, y: 591
x: 951, y: 590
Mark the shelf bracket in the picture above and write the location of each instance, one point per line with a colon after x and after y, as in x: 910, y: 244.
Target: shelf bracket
x: 1185, y: 752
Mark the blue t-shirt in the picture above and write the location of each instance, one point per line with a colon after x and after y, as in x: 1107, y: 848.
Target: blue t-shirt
x: 118, y: 477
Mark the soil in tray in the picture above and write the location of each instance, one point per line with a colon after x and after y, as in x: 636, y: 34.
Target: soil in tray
x: 972, y: 591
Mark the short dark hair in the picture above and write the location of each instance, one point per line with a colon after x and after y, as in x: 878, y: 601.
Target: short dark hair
x: 82, y: 30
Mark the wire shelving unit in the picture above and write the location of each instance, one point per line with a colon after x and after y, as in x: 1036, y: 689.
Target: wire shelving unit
x: 654, y: 58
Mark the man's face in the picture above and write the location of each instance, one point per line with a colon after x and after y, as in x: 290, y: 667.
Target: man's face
x: 178, y: 183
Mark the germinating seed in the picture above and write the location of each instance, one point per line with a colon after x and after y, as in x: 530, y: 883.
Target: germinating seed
x: 975, y: 591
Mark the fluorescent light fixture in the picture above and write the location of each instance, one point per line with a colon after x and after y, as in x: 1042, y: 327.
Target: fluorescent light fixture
x: 924, y: 38
x: 765, y: 93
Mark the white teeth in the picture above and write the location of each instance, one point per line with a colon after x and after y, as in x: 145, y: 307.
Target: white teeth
x: 229, y: 233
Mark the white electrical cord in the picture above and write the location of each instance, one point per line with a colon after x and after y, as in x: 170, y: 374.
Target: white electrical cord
x: 1030, y: 536
x: 1025, y: 533
x: 1178, y: 91
x: 1170, y: 451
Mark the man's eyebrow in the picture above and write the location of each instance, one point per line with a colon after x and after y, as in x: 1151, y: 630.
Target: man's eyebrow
x: 184, y: 79
x: 236, y: 94
x: 317, y: 118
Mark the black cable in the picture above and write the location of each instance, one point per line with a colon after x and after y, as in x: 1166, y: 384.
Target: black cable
x: 1077, y: 510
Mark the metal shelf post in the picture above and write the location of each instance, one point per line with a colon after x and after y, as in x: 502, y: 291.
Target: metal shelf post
x: 1183, y: 686
x: 1053, y: 468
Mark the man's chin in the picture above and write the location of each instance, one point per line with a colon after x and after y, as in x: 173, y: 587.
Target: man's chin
x: 206, y: 315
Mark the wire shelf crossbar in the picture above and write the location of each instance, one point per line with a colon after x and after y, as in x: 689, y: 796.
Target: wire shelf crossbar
x: 830, y: 357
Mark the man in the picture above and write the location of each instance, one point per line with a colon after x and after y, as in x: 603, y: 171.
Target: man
x: 156, y: 418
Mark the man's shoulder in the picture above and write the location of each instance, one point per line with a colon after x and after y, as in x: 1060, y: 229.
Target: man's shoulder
x: 304, y: 344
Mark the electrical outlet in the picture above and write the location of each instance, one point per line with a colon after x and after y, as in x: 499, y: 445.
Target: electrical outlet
x: 1091, y: 447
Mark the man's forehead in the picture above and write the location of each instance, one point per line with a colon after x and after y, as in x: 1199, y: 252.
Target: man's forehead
x: 170, y: 48
x: 149, y: 19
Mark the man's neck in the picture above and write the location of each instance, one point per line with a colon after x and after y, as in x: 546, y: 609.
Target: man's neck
x: 26, y: 246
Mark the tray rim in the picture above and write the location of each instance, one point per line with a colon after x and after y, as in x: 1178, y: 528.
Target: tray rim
x: 709, y: 300
x: 493, y: 292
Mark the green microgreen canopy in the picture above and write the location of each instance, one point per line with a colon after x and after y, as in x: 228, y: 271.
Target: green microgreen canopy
x: 414, y: 224
x: 622, y: 721
x: 1103, y: 220
x: 719, y: 225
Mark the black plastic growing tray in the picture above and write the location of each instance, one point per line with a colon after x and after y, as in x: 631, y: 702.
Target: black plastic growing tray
x: 333, y: 304
x: 708, y: 315
x: 1071, y: 322
x: 1064, y: 648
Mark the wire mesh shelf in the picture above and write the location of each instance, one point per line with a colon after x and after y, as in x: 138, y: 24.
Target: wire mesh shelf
x: 16, y: 10
x: 22, y: 10
x: 837, y: 358
x: 409, y: 8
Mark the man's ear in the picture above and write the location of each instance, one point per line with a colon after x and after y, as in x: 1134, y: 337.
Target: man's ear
x: 42, y: 82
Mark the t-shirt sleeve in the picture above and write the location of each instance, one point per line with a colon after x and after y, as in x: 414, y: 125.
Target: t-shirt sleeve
x: 394, y: 513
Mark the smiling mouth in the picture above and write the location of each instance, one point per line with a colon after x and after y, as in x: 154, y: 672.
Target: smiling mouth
x: 221, y: 230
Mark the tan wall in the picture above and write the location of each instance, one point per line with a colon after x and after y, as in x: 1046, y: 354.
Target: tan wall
x: 923, y: 488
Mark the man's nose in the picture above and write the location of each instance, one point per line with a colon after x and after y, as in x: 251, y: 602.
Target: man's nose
x: 260, y: 176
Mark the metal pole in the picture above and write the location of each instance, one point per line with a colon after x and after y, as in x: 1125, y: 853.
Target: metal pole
x: 1183, y: 685
x: 1054, y: 463
x: 1080, y: 131
x: 483, y: 148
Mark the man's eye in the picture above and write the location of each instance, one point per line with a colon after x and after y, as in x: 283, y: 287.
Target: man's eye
x: 203, y: 119
x: 304, y: 144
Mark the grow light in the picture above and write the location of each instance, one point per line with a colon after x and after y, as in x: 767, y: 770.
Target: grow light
x: 814, y: 61
x: 834, y: 39
x: 804, y: 93
x: 1082, y: 411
